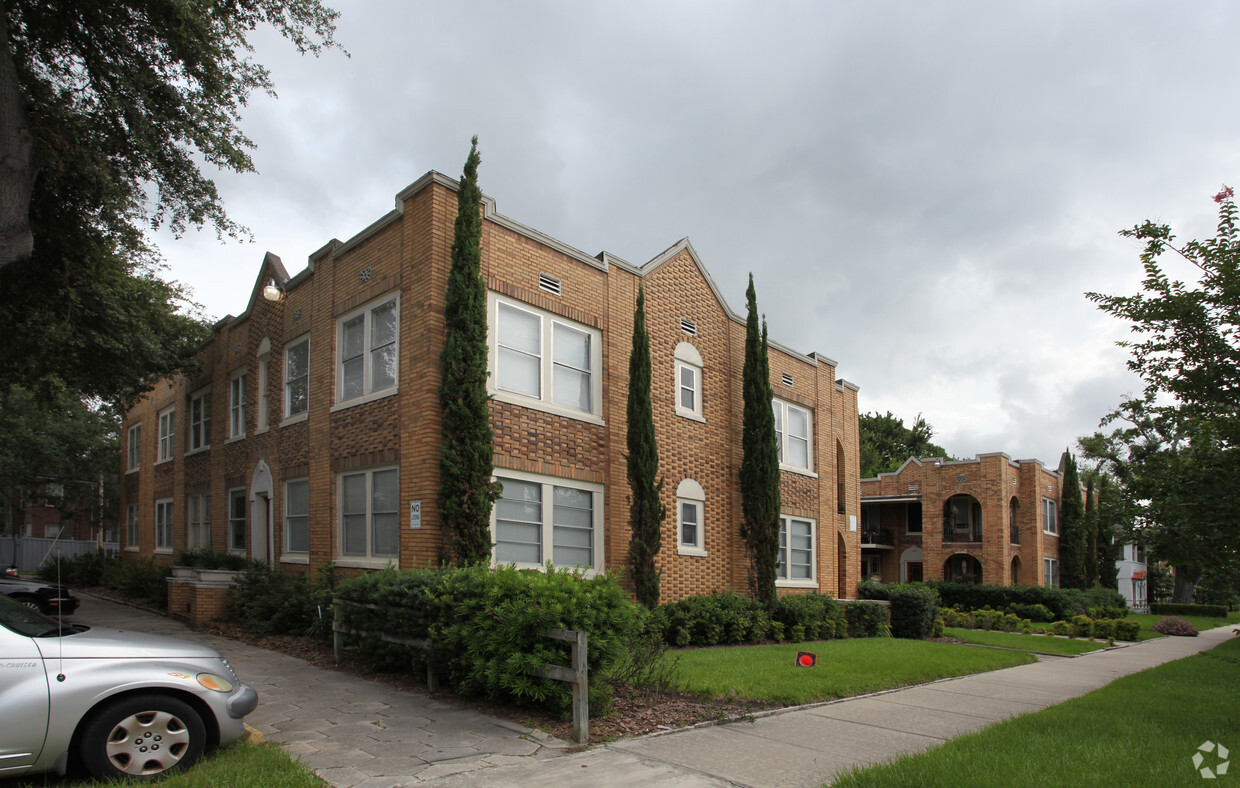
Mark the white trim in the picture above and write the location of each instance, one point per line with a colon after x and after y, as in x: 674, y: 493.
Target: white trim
x: 286, y: 403
x: 598, y: 557
x: 783, y: 438
x: 366, y: 313
x: 369, y: 558
x: 236, y: 408
x: 199, y: 429
x: 285, y: 549
x: 690, y: 493
x: 133, y: 448
x: 168, y: 439
x: 812, y: 580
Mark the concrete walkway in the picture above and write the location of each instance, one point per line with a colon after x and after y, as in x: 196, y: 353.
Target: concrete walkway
x: 355, y: 732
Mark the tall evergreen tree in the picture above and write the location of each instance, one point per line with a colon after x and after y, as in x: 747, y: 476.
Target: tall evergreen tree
x: 1090, y: 521
x: 759, y: 474
x: 1073, y: 541
x: 646, y: 510
x: 466, y: 491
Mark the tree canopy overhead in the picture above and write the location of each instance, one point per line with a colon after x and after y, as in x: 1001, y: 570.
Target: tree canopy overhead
x: 886, y: 443
x: 1176, y: 451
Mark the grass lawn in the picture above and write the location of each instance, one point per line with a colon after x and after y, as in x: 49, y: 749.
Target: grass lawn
x: 1148, y: 620
x: 845, y: 668
x: 241, y: 765
x: 1047, y: 644
x: 1140, y: 730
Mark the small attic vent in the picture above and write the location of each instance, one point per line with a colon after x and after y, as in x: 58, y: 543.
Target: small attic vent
x: 787, y: 379
x: 914, y: 486
x: 364, y: 275
x: 688, y: 326
x: 549, y: 283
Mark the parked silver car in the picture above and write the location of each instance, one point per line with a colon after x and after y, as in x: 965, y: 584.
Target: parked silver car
x: 117, y: 703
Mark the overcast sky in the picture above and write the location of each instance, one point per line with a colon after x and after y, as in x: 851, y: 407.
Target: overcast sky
x: 923, y: 191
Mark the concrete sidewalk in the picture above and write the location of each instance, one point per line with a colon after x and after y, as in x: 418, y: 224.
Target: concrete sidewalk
x: 355, y: 732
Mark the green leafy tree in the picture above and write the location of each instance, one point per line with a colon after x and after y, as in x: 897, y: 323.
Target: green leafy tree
x: 466, y: 491
x: 646, y: 509
x: 1077, y: 565
x: 886, y: 443
x: 759, y: 474
x: 54, y: 437
x: 1176, y: 455
x: 109, y: 113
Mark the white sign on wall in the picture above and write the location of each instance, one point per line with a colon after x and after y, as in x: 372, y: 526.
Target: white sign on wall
x: 415, y: 514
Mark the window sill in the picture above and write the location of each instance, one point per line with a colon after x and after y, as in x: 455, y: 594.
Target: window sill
x: 165, y: 460
x: 586, y: 572
x: 546, y: 407
x: 362, y: 400
x: 694, y: 551
x: 133, y: 470
x: 200, y: 450
x: 131, y: 548
x: 798, y: 470
x: 294, y: 559
x: 360, y: 562
x: 235, y: 439
x: 163, y: 551
x: 691, y: 415
x: 261, y: 431
x: 1051, y: 533
x: 298, y: 419
x: 796, y: 584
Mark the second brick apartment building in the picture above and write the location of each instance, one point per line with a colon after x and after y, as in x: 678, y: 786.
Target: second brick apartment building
x: 312, y: 434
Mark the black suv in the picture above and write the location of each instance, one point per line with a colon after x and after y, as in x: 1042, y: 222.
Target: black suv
x: 47, y: 598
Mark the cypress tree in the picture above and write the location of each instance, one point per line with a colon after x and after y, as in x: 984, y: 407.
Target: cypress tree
x: 1073, y: 541
x: 759, y: 474
x: 466, y: 491
x: 646, y: 510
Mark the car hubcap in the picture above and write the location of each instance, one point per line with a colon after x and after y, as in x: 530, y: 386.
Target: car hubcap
x: 149, y: 742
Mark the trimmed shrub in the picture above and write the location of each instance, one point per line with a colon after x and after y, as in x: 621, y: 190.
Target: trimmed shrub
x: 1082, y: 626
x: 913, y: 610
x: 1175, y: 626
x: 867, y: 619
x: 1063, y: 603
x: 1127, y: 629
x: 723, y: 618
x: 872, y: 589
x: 268, y: 600
x: 1061, y: 628
x: 203, y: 558
x: 1106, y: 611
x: 957, y: 618
x: 1034, y: 612
x: 139, y: 579
x: 1104, y: 628
x: 1177, y: 609
x: 81, y: 571
x: 810, y: 617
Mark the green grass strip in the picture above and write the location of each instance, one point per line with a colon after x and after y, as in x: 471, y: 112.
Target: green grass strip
x: 845, y: 668
x: 1140, y: 730
x: 1047, y: 644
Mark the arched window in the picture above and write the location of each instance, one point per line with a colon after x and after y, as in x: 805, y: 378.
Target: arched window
x: 962, y: 568
x: 1016, y: 570
x: 962, y: 519
x: 688, y: 381
x: 1014, y: 520
x: 690, y: 518
x: 839, y: 476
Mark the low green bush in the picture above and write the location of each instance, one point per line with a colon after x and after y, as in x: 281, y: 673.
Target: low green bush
x: 872, y: 589
x: 1034, y: 612
x: 1127, y: 629
x: 140, y: 579
x: 1104, y: 628
x: 1081, y: 626
x: 269, y: 600
x: 1061, y: 628
x: 1063, y: 603
x: 1178, y: 609
x: 204, y: 558
x: 810, y: 617
x: 727, y: 618
x: 81, y: 571
x: 867, y: 619
x: 914, y: 608
x: 1106, y: 611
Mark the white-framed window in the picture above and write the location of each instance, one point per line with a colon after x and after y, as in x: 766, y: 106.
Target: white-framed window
x: 544, y: 361
x: 793, y: 428
x: 264, y: 383
x: 297, y: 378
x: 53, y: 530
x: 797, y: 557
x: 198, y: 522
x: 541, y: 518
x: 1050, y: 516
x: 370, y: 514
x: 163, y: 526
x: 167, y: 431
x: 200, y: 421
x: 1050, y: 572
x: 134, y: 447
x: 237, y: 506
x: 131, y: 526
x: 367, y: 349
x: 236, y: 405
x: 297, y: 516
x: 690, y: 518
x: 688, y: 381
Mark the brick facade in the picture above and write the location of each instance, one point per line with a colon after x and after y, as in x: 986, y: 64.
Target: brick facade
x: 983, y: 520
x: 559, y: 440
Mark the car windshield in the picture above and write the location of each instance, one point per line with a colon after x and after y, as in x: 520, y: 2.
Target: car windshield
x: 24, y: 620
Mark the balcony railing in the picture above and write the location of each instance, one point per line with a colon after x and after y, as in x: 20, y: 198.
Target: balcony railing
x: 882, y: 536
x: 954, y: 533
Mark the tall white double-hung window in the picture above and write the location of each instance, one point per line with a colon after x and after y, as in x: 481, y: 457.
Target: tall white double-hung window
x: 236, y: 405
x: 200, y: 421
x: 367, y: 351
x: 135, y: 447
x: 688, y: 381
x: 1050, y: 572
x: 131, y: 526
x: 167, y: 423
x: 237, y: 505
x: 797, y: 562
x: 198, y: 522
x: 541, y: 519
x: 297, y: 516
x: 543, y: 360
x: 1050, y: 518
x: 690, y: 518
x: 163, y: 526
x: 370, y: 514
x: 297, y: 378
x: 793, y: 431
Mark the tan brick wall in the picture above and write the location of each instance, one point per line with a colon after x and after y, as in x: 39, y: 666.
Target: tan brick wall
x: 408, y: 253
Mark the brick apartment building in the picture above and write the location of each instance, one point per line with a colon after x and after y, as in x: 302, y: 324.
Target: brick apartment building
x: 990, y: 520
x: 312, y: 434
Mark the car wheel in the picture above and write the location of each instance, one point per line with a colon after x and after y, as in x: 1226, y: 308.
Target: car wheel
x: 142, y: 736
x: 29, y: 601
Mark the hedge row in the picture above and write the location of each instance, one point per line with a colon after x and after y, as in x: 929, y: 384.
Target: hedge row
x: 726, y: 618
x: 1062, y: 603
x: 1078, y: 626
x: 1179, y: 609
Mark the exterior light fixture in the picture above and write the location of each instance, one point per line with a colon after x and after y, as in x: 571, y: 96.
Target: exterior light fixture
x: 272, y: 292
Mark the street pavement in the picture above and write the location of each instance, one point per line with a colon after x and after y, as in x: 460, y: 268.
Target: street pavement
x: 357, y: 732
